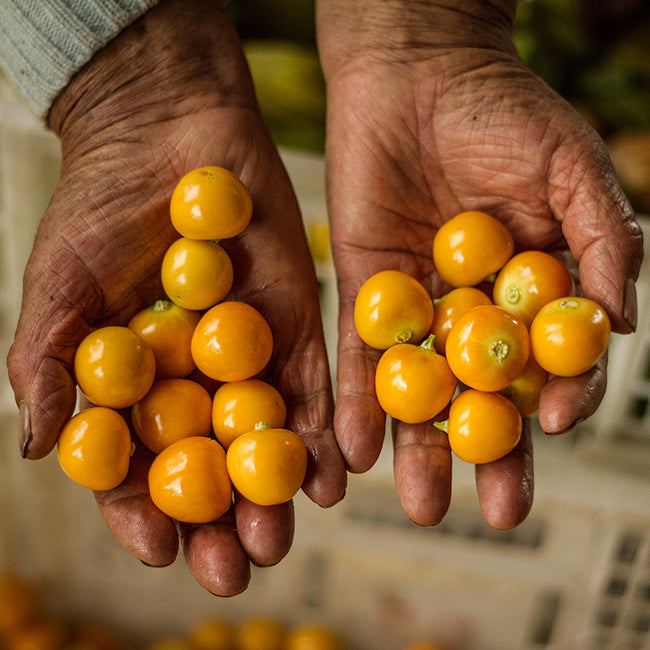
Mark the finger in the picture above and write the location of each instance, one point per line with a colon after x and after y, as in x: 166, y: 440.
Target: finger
x: 134, y: 520
x: 309, y: 414
x: 567, y: 401
x: 265, y: 532
x: 290, y: 302
x: 56, y: 295
x: 359, y: 421
x: 422, y: 466
x: 601, y: 229
x: 215, y: 556
x: 505, y: 487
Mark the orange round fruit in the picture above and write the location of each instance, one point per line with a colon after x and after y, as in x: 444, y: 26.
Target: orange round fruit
x: 189, y: 482
x: 171, y: 643
x: 168, y: 329
x: 114, y: 366
x: 524, y: 392
x: 450, y: 308
x: 196, y: 274
x: 174, y: 408
x: 210, y: 203
x: 482, y: 427
x: 44, y: 633
x: 232, y: 342
x: 267, y: 466
x: 213, y: 634
x: 413, y: 383
x: 89, y: 636
x: 470, y: 247
x: 313, y: 637
x: 392, y: 307
x: 20, y: 603
x: 239, y: 405
x: 487, y: 348
x: 569, y: 335
x: 94, y: 448
x: 528, y: 281
x: 261, y: 634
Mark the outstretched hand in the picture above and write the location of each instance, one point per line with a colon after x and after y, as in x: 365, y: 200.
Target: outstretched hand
x: 170, y: 94
x: 419, y: 131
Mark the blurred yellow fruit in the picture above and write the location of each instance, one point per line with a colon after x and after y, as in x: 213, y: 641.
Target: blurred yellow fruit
x: 313, y: 637
x: 96, y: 637
x: 170, y: 643
x: 319, y: 241
x: 213, y: 635
x: 39, y: 634
x: 19, y: 602
x: 261, y: 634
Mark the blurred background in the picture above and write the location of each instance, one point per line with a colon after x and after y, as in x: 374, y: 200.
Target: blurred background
x: 594, y: 54
x: 574, y: 576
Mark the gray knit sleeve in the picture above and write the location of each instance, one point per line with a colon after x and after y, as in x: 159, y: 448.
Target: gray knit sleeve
x: 43, y: 43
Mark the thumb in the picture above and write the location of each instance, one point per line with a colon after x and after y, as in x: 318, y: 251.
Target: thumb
x: 56, y: 295
x: 603, y: 234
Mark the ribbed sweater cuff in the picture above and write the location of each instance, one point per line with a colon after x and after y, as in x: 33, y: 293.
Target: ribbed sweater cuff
x: 44, y: 43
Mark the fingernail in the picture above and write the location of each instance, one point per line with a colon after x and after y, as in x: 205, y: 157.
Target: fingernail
x: 630, y: 304
x: 570, y: 428
x: 24, y: 428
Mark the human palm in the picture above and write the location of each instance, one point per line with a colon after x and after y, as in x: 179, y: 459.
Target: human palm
x: 410, y: 147
x: 96, y: 261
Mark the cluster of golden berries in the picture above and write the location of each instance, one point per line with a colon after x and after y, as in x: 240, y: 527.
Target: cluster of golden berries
x: 159, y: 370
x: 508, y: 322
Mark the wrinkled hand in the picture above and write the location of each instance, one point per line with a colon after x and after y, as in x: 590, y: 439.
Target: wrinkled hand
x: 170, y: 94
x: 418, y: 132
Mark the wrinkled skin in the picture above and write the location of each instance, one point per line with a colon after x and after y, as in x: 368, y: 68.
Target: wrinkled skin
x: 417, y: 132
x: 170, y: 94
x: 429, y: 113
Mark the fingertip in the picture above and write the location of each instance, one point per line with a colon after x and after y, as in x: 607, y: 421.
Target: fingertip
x: 359, y: 421
x: 265, y: 532
x: 133, y: 519
x: 507, y: 510
x: 422, y: 514
x: 506, y: 486
x: 425, y: 501
x: 500, y: 520
x: 360, y: 428
x: 565, y: 402
x: 48, y: 404
x: 24, y: 428
x: 145, y: 532
x: 422, y: 467
x: 630, y: 306
x: 326, y: 479
x: 216, y: 558
x: 609, y: 269
x: 620, y: 305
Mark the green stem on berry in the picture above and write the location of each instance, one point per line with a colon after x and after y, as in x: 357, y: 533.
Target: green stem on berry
x: 427, y: 344
x: 513, y: 294
x: 161, y: 305
x: 404, y: 336
x: 499, y: 350
x: 443, y: 425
